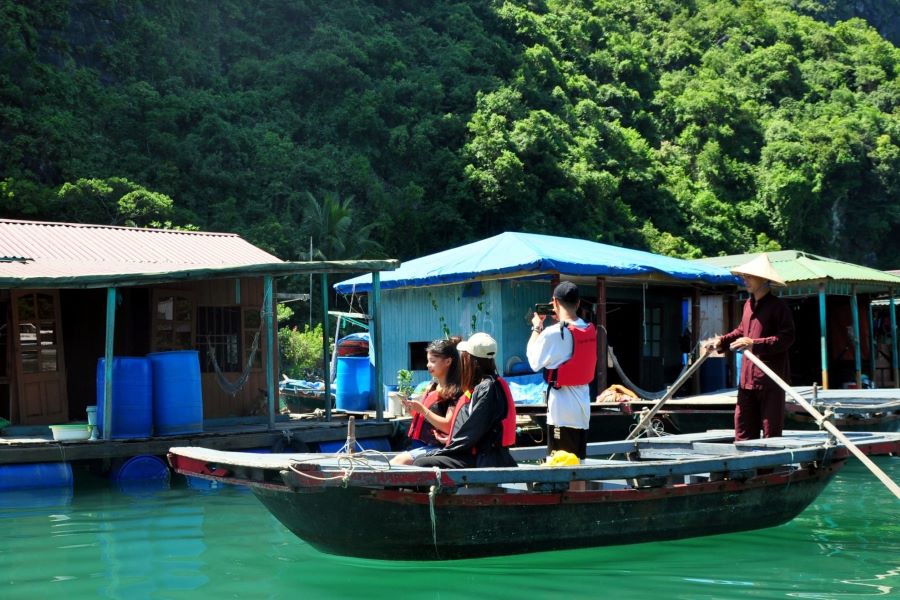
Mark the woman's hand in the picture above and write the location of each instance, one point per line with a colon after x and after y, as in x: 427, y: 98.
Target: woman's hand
x: 441, y: 437
x: 414, y: 406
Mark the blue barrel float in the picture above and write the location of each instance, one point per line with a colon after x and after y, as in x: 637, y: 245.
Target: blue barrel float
x: 141, y: 473
x: 177, y: 395
x: 33, y: 487
x: 132, y: 397
x: 353, y: 383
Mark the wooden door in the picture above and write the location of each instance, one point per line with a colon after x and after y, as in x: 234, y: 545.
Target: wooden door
x: 39, y: 365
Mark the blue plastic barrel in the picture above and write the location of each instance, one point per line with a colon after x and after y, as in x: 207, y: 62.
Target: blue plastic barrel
x: 132, y: 397
x: 177, y: 395
x: 353, y: 383
x: 32, y: 476
x: 712, y: 375
x: 140, y: 475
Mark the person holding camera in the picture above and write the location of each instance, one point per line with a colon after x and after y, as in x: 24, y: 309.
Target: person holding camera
x: 567, y: 352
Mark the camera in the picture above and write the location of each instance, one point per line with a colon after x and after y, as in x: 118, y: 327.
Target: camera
x: 543, y: 309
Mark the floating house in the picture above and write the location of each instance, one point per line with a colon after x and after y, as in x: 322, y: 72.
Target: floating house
x: 832, y: 303
x: 636, y: 298
x: 73, y: 294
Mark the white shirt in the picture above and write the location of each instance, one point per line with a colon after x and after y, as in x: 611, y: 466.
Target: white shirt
x: 570, y: 405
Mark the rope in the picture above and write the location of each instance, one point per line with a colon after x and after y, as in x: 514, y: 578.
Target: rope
x: 432, y: 493
x: 348, y: 463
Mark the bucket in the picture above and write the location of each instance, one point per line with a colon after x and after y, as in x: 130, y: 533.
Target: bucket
x: 32, y: 476
x: 177, y: 396
x: 712, y: 375
x: 132, y: 397
x: 353, y: 383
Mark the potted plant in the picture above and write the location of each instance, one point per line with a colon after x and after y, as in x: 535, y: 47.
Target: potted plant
x: 404, y: 392
x: 404, y: 383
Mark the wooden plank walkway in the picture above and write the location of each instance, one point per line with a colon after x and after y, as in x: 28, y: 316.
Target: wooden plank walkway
x: 294, y: 433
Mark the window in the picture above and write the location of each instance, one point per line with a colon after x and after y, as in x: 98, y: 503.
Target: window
x: 37, y: 333
x: 219, y: 332
x: 173, y: 322
x: 418, y: 361
x: 653, y: 332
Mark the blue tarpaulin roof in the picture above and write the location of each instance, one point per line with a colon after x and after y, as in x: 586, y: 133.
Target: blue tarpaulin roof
x: 529, y: 254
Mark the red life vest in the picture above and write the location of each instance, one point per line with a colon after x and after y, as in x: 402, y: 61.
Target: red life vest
x: 581, y: 367
x: 419, y: 428
x: 509, y: 421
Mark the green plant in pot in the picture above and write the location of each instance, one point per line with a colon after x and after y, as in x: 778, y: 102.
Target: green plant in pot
x: 404, y: 383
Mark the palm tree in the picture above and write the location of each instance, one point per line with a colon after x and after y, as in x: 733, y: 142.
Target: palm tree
x: 329, y: 222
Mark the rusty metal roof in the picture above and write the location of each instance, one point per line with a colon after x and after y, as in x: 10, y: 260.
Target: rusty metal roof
x: 44, y: 254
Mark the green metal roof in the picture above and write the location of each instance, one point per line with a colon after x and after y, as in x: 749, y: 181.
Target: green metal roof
x: 804, y: 272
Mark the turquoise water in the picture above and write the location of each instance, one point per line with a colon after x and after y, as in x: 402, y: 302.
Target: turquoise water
x: 185, y: 543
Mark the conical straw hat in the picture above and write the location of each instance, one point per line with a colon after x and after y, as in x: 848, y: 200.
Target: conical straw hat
x: 759, y: 267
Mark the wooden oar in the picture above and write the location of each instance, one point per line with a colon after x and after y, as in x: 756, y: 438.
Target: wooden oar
x: 646, y: 418
x: 823, y: 422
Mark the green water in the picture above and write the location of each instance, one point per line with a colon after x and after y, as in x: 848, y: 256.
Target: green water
x: 185, y: 543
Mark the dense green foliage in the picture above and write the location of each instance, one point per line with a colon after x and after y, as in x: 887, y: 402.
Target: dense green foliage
x: 300, y: 351
x: 403, y: 127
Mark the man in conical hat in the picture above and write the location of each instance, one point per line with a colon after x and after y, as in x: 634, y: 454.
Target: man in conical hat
x: 767, y: 328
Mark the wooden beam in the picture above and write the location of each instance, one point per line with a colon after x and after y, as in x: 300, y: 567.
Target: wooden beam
x: 268, y: 307
x: 602, y: 337
x: 823, y: 341
x: 857, y: 354
x: 108, y: 362
x: 375, y: 323
x: 326, y: 360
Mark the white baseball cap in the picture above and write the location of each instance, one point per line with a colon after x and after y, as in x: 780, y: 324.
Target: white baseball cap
x: 480, y: 344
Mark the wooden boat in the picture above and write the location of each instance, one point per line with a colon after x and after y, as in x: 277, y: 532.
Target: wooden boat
x: 634, y: 491
x: 299, y: 396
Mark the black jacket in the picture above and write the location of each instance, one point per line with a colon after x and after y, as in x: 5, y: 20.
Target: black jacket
x: 479, y: 426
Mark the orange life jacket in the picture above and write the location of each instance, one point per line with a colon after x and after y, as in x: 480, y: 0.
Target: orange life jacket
x: 581, y: 367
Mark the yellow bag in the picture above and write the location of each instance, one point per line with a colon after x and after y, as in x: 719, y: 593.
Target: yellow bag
x: 561, y: 458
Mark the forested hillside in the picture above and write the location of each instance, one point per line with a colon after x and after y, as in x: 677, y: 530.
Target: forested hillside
x: 688, y: 127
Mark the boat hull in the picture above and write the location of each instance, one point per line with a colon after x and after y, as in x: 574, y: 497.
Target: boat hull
x: 396, y: 524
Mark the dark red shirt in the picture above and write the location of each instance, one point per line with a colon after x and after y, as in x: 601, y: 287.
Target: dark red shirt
x: 769, y: 323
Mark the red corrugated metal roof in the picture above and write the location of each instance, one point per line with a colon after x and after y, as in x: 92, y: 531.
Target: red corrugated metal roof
x: 31, y: 249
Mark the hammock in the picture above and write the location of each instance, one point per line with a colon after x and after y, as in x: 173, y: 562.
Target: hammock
x: 630, y: 384
x: 232, y: 387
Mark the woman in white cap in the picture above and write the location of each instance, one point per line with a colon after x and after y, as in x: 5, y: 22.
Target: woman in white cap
x: 483, y: 424
x: 767, y: 328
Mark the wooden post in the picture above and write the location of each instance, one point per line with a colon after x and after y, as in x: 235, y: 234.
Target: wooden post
x: 271, y: 359
x: 823, y: 341
x: 375, y: 340
x: 857, y: 354
x: 894, y: 362
x: 325, y: 357
x: 695, y: 335
x: 602, y: 337
x: 108, y: 362
x: 873, y: 350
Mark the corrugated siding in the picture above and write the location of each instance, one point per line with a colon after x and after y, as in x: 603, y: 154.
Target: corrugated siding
x: 798, y: 267
x: 420, y: 315
x: 67, y: 249
x: 519, y: 298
